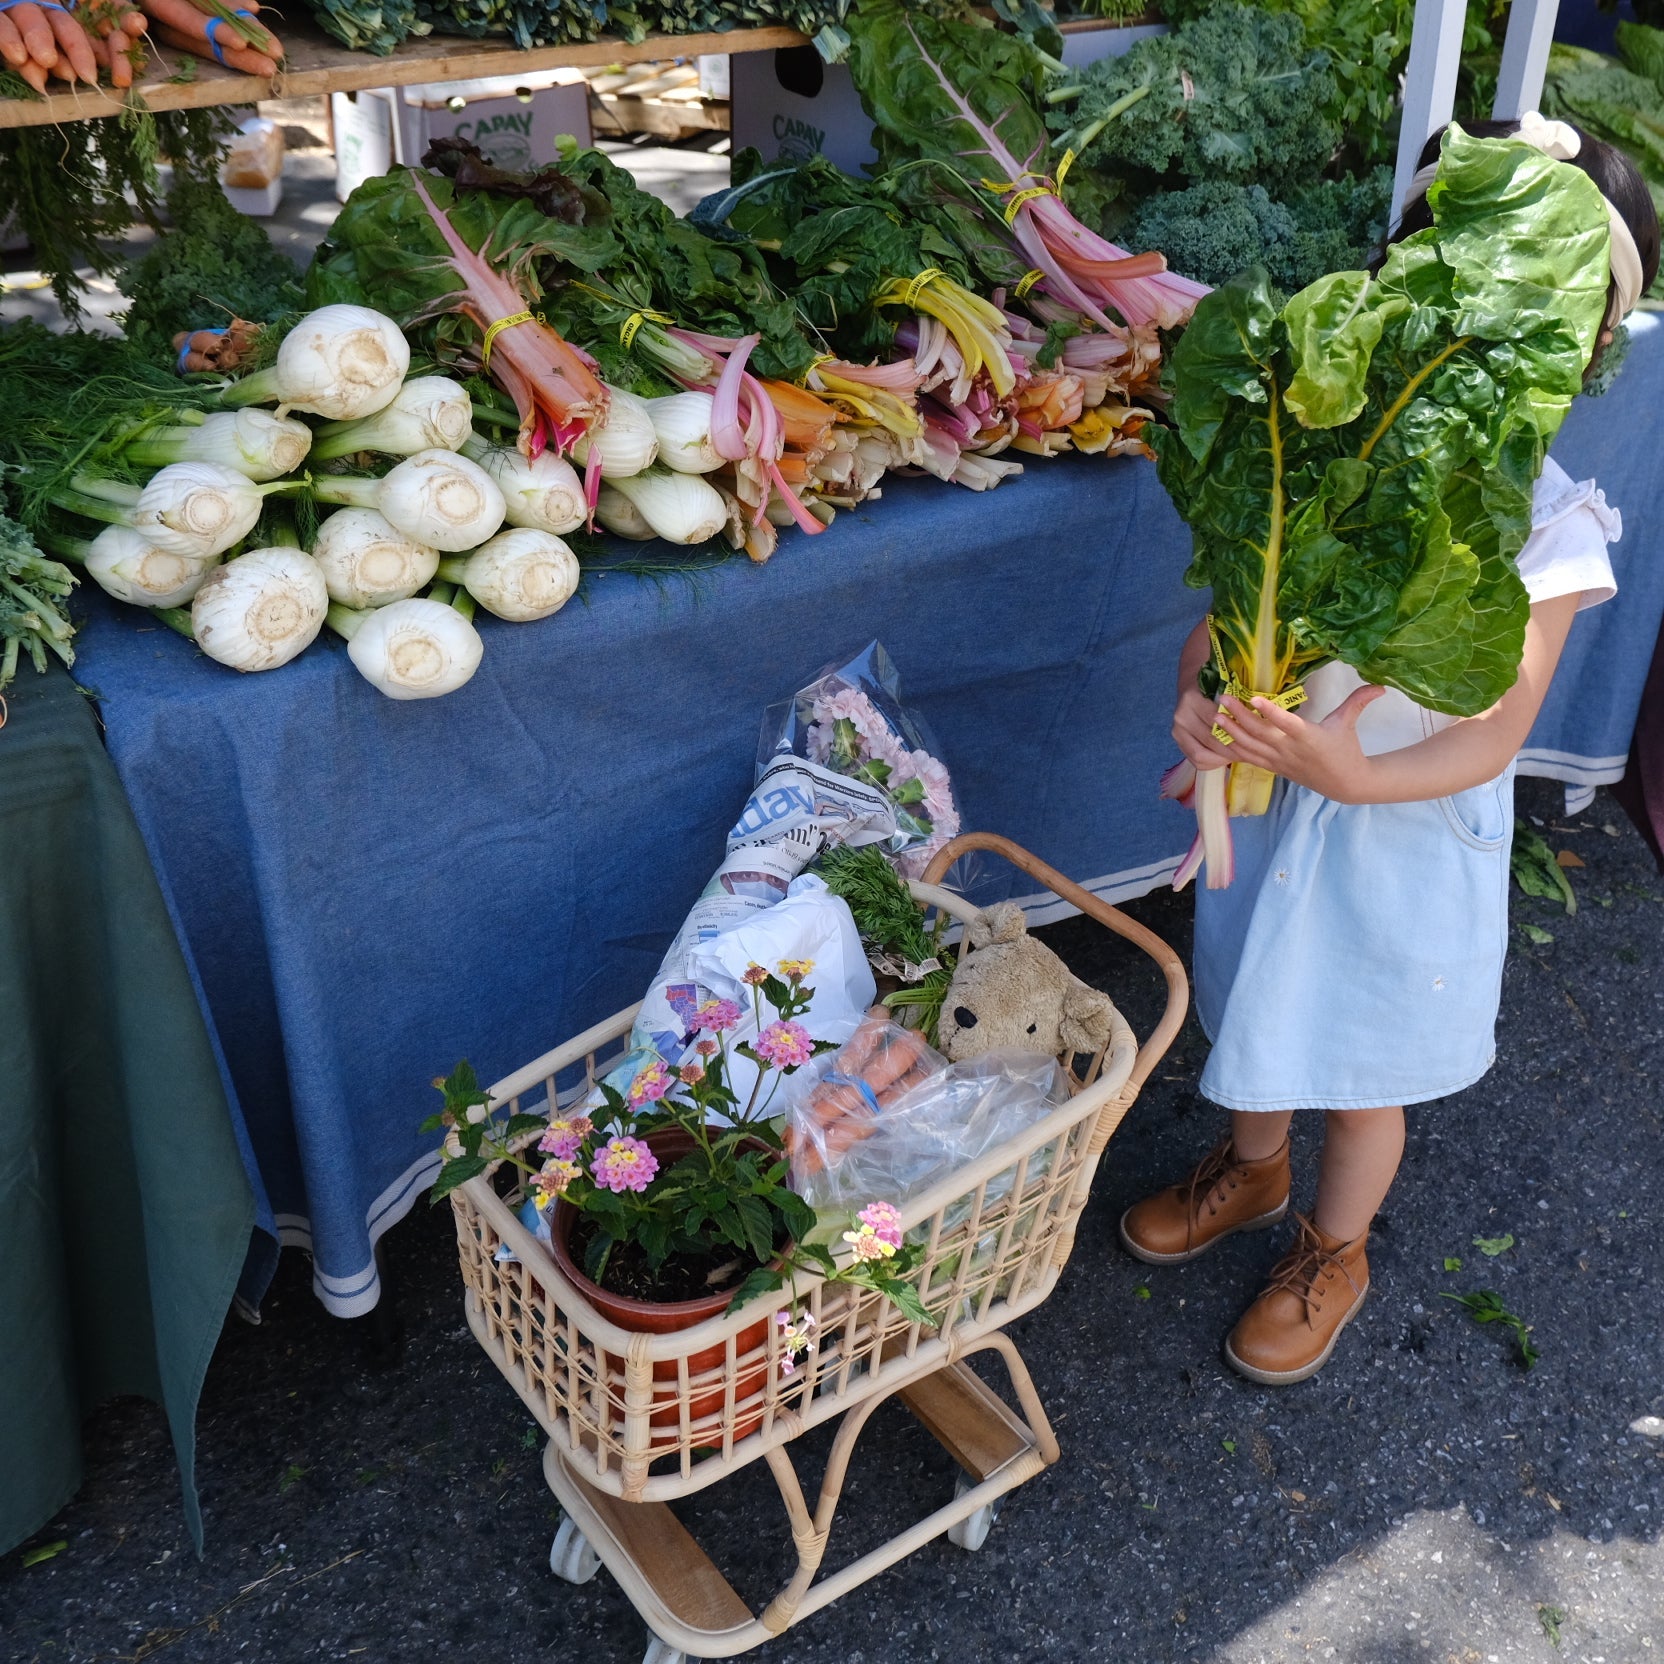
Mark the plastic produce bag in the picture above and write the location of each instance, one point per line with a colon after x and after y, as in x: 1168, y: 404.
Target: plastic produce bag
x: 884, y: 1118
x: 850, y: 723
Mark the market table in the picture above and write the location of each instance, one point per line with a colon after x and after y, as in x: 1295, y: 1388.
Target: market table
x: 125, y: 1214
x: 369, y: 890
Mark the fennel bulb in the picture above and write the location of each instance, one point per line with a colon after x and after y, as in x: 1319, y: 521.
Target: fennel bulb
x: 542, y: 492
x: 254, y: 443
x: 430, y: 413
x: 625, y: 442
x: 261, y: 609
x: 340, y: 362
x: 122, y: 564
x: 621, y: 517
x: 194, y: 509
x: 437, y: 498
x: 521, y: 575
x: 410, y: 649
x: 367, y: 562
x: 682, y: 422
x: 680, y: 508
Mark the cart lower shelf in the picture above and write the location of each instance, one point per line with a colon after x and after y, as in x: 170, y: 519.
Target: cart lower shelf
x: 687, y: 1603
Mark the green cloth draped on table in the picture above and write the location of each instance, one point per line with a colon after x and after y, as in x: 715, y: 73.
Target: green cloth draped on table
x: 125, y: 1211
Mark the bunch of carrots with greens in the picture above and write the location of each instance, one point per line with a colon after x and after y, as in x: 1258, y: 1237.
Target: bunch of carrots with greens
x: 80, y: 42
x: 38, y: 41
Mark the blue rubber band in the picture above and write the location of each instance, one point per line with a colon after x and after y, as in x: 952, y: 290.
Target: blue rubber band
x: 213, y: 24
x: 185, y: 351
x: 44, y: 5
x: 859, y: 1085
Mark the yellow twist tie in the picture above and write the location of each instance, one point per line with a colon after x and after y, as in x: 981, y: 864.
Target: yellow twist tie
x: 1064, y: 166
x: 631, y: 327
x: 919, y: 284
x: 1027, y: 282
x: 1028, y: 195
x: 1289, y: 699
x: 814, y: 364
x: 497, y: 329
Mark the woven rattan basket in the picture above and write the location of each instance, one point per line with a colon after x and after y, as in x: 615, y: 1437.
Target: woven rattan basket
x: 636, y: 1419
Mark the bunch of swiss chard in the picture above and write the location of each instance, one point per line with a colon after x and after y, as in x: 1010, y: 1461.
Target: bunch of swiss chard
x: 1356, y: 464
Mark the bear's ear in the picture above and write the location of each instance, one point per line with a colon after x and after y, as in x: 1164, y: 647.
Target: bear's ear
x: 1003, y: 922
x: 1088, y: 1019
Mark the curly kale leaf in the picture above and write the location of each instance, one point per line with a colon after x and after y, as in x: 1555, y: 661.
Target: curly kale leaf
x: 1216, y: 229
x: 212, y: 266
x: 1237, y: 94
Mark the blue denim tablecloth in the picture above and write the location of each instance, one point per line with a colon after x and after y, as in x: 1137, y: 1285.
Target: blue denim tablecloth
x: 368, y: 890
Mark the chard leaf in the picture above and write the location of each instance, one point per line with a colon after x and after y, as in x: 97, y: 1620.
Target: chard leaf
x: 1356, y: 465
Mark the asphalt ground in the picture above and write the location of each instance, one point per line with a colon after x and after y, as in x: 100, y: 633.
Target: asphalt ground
x: 1425, y: 1497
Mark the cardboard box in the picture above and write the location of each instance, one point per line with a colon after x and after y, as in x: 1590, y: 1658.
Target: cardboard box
x: 515, y: 121
x: 363, y: 124
x: 790, y: 104
x: 713, y: 74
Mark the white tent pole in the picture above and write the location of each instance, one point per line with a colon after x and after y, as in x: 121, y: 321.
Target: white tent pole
x: 1519, y: 83
x: 1429, y: 85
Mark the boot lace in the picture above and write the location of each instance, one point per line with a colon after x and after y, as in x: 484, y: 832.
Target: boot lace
x: 1212, y: 1173
x: 1301, y: 1269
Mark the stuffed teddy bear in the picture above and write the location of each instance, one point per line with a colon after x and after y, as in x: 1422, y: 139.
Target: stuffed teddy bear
x: 1012, y: 993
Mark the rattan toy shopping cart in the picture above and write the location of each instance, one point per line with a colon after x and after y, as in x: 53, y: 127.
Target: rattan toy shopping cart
x: 635, y: 1420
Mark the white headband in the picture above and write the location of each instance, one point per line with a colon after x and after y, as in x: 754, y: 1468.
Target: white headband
x: 1560, y: 142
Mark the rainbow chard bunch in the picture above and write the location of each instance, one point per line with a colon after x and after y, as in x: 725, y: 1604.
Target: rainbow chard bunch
x: 1356, y: 464
x: 971, y: 98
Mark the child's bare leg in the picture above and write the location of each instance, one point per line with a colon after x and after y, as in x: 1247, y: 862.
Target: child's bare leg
x: 1361, y: 1152
x: 1258, y: 1134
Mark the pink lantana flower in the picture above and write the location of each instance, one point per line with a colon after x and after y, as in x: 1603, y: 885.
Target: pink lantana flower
x: 691, y: 1073
x: 755, y: 975
x: 718, y: 1016
x: 552, y: 1179
x: 794, y: 1339
x: 707, y: 1048
x: 565, y: 1135
x: 785, y: 1045
x: 624, y: 1164
x: 650, y: 1085
x: 883, y: 1221
x: 868, y: 1244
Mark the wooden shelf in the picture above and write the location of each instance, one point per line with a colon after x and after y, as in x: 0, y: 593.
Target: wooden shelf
x: 317, y: 64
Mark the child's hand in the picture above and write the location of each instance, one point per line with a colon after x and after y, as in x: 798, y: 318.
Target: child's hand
x: 1193, y: 720
x: 1324, y: 757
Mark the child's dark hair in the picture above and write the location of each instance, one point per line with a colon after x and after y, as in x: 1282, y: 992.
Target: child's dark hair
x: 1613, y: 173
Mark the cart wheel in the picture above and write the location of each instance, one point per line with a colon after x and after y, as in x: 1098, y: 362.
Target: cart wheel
x: 970, y: 1534
x: 570, y: 1555
x: 661, y: 1652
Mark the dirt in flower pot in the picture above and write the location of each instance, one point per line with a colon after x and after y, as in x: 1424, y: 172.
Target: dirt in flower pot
x: 680, y: 1277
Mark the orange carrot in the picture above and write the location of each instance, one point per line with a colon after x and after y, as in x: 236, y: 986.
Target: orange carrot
x: 251, y: 63
x: 34, y: 75
x: 73, y: 39
x: 36, y: 33
x: 12, y: 48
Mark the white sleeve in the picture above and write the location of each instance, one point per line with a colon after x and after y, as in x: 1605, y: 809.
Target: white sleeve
x: 1571, y: 525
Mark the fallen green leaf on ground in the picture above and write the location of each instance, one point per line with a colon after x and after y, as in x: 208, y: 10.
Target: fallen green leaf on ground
x: 1537, y: 872
x: 1551, y: 1618
x: 1452, y: 1263
x: 1535, y: 933
x: 1491, y: 1246
x: 1484, y: 1306
x: 44, y: 1551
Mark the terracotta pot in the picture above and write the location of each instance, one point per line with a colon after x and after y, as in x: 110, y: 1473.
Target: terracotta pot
x: 665, y: 1317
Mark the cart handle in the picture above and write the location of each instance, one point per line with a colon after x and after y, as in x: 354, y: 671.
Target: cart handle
x: 1110, y: 917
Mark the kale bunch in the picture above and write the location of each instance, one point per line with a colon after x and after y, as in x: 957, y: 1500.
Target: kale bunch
x: 1237, y: 95
x: 213, y: 265
x: 1216, y: 229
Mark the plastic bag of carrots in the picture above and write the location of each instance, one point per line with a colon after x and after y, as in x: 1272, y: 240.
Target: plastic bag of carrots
x: 885, y: 1116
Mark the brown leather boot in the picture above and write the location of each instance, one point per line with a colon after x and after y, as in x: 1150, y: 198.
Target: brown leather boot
x: 1224, y: 1195
x: 1314, y: 1292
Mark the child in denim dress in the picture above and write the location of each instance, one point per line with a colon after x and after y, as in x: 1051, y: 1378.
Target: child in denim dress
x: 1355, y: 963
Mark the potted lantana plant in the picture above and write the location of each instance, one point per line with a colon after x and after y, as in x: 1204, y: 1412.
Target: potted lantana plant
x: 667, y: 1199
